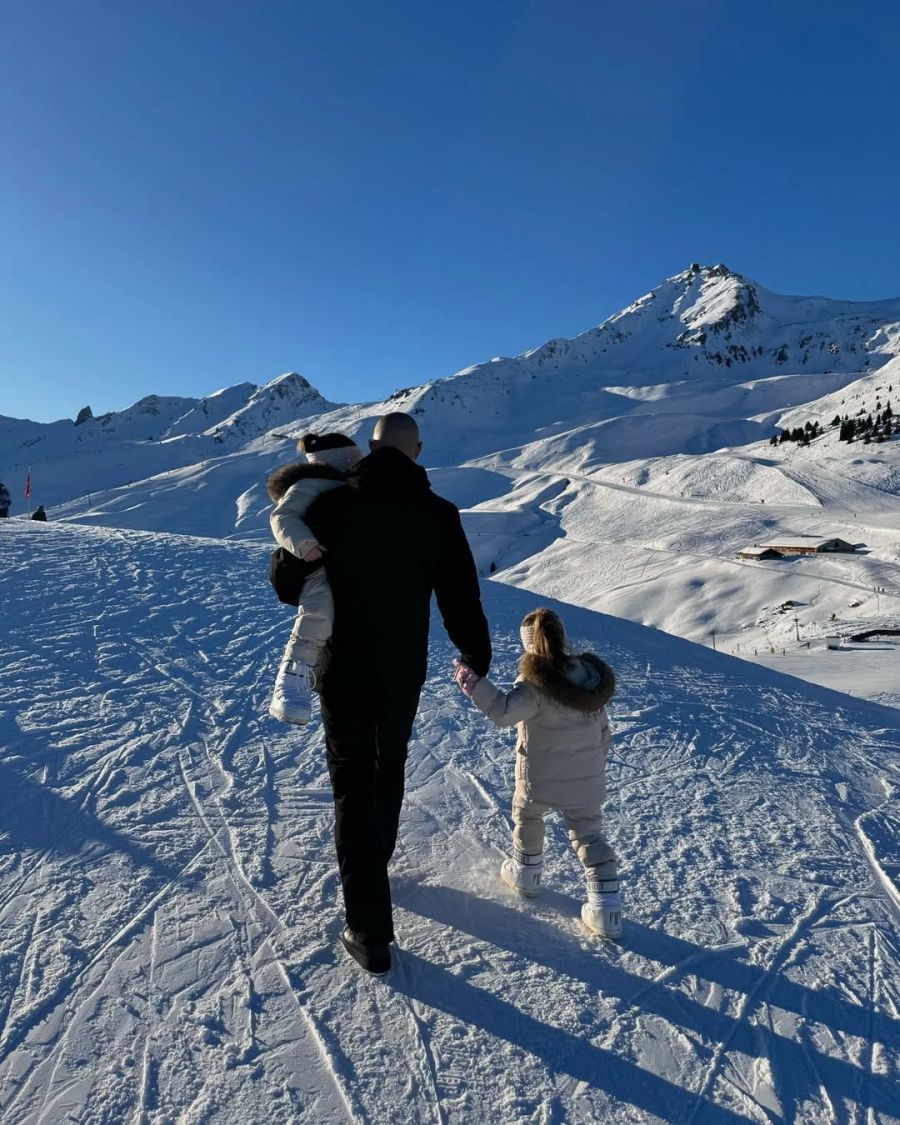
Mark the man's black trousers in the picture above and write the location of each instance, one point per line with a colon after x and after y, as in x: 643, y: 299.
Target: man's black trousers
x: 366, y: 734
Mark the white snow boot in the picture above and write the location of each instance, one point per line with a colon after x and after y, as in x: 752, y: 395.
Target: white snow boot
x: 523, y: 873
x: 292, y: 698
x: 602, y: 913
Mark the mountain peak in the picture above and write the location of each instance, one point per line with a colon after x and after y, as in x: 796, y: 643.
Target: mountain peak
x: 703, y: 300
x: 290, y: 383
x: 715, y: 300
x: 718, y: 270
x: 280, y: 401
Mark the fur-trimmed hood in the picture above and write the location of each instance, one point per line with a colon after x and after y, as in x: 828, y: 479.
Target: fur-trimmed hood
x: 585, y: 683
x: 282, y: 479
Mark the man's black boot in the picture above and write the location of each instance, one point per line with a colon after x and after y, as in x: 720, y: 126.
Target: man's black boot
x: 373, y: 958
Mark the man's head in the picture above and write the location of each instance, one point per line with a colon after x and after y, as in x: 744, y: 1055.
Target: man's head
x: 398, y: 431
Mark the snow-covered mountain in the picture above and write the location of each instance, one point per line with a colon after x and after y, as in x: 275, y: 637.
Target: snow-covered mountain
x: 156, y: 435
x: 622, y: 470
x: 714, y: 317
x: 705, y: 353
x: 701, y: 362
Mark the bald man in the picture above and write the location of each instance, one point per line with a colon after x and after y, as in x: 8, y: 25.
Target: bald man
x: 390, y: 543
x: 397, y: 431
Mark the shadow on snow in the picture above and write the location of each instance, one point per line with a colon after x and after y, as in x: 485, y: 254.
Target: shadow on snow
x: 798, y: 1068
x: 36, y: 818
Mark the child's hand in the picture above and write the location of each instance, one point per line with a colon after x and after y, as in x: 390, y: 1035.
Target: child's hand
x: 314, y: 555
x: 466, y: 678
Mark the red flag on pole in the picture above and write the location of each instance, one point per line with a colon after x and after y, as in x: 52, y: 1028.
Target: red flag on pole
x: 28, y: 485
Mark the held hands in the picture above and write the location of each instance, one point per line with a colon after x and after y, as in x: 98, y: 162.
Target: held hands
x: 465, y: 677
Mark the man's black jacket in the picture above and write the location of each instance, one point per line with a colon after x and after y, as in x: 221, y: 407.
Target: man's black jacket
x: 390, y: 541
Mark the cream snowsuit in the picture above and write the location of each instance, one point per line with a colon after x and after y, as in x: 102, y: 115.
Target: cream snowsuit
x: 315, y: 613
x: 561, y: 753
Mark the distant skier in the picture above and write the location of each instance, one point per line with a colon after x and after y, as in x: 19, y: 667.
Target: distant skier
x: 559, y: 702
x: 5, y: 501
x: 293, y: 488
x: 39, y: 514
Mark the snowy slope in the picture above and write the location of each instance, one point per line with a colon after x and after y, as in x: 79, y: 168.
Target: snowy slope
x: 211, y: 410
x: 222, y: 496
x: 280, y: 402
x: 168, y: 895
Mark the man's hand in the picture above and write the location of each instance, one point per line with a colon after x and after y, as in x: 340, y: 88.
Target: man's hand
x: 466, y: 678
x: 314, y: 555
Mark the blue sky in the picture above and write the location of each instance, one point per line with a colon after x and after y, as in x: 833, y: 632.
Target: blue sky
x: 195, y: 194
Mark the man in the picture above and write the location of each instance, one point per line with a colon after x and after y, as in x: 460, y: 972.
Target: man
x: 5, y: 500
x: 389, y: 542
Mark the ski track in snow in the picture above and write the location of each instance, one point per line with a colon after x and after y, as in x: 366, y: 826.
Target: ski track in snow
x: 169, y: 901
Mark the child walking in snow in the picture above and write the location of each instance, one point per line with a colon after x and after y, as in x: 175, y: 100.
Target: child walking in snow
x: 293, y: 488
x: 559, y: 703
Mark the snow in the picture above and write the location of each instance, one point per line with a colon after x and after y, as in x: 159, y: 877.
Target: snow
x: 169, y: 898
x: 870, y: 670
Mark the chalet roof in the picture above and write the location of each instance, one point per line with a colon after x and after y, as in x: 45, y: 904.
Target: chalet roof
x: 804, y: 541
x: 756, y: 550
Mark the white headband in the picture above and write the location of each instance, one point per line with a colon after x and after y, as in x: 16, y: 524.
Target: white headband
x: 343, y: 457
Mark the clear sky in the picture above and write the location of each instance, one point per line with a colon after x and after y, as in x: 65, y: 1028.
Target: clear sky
x: 195, y: 193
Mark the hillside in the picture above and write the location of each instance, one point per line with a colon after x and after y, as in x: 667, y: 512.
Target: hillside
x: 654, y: 374
x: 168, y: 896
x: 622, y: 470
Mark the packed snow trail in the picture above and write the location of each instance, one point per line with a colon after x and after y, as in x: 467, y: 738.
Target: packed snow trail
x: 169, y: 902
